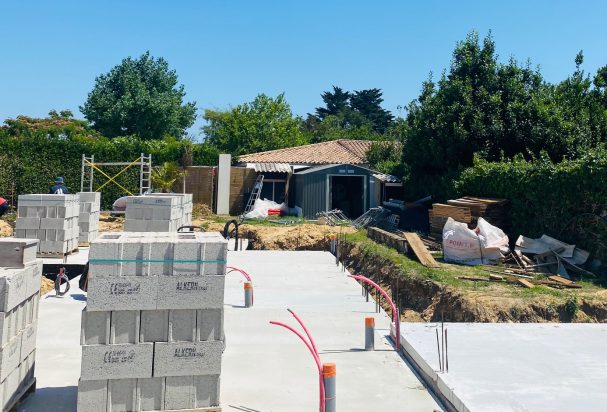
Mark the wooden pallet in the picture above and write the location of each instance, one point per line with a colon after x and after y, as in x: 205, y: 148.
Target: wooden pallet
x: 21, y: 396
x: 84, y: 244
x: 51, y: 255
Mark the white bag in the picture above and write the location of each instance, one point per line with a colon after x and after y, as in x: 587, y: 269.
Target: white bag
x: 473, y: 247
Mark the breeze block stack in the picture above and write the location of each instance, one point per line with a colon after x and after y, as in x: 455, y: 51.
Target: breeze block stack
x: 186, y: 201
x: 88, y: 219
x: 52, y: 219
x: 157, y: 213
x: 152, y: 331
x: 20, y: 276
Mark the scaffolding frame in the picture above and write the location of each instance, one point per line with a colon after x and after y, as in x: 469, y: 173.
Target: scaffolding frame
x: 89, y: 166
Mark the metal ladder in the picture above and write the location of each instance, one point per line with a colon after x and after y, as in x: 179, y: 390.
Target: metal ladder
x: 145, y: 174
x: 86, y: 177
x: 254, y: 196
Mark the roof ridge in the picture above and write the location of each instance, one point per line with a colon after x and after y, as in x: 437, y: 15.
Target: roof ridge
x: 340, y: 141
x: 292, y: 147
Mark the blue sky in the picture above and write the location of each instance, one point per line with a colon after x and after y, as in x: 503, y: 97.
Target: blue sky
x: 226, y: 52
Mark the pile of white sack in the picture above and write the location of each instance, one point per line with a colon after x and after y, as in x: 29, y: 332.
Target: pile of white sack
x: 483, y: 246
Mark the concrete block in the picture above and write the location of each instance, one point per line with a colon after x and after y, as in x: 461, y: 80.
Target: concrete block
x: 10, y: 356
x: 162, y: 226
x: 5, y: 328
x: 187, y: 255
x: 206, y: 389
x: 17, y: 253
x: 49, y: 223
x: 182, y: 325
x: 23, y: 234
x: 154, y: 326
x: 122, y: 293
x: 51, y: 234
x: 41, y: 234
x: 103, y: 257
x: 135, y: 257
x: 124, y: 326
x: 165, y: 213
x: 85, y: 208
x: 131, y: 225
x: 215, y: 257
x: 179, y: 393
x: 11, y: 385
x: 187, y: 358
x: 151, y: 394
x: 134, y: 213
x: 161, y: 250
x: 52, y: 212
x: 209, y: 324
x: 28, y: 223
x: 26, y: 370
x: 89, y: 197
x: 92, y: 395
x: 31, y: 211
x: 122, y: 395
x: 191, y: 292
x: 33, y: 277
x: 95, y: 328
x: 13, y: 288
x: 28, y: 340
x: 121, y: 361
x: 19, y: 312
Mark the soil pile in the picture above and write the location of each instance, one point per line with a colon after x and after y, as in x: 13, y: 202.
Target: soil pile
x: 5, y: 229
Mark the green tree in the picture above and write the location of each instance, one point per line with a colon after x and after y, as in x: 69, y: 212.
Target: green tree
x: 266, y: 123
x: 367, y: 103
x: 139, y: 97
x: 336, y: 103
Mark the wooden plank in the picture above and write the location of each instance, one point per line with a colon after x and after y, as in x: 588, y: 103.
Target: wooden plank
x: 560, y: 279
x: 418, y: 247
x: 524, y: 282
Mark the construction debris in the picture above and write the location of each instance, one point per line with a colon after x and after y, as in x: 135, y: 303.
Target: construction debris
x: 418, y: 247
x: 468, y: 210
x: 372, y: 217
x: 333, y: 217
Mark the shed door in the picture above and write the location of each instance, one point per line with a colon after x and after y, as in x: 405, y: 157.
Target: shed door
x: 347, y: 193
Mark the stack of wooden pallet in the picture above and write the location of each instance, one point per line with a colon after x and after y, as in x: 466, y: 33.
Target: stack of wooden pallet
x: 441, y: 212
x: 467, y: 210
x: 493, y: 211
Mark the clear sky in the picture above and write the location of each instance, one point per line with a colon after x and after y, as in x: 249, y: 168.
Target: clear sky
x: 226, y: 52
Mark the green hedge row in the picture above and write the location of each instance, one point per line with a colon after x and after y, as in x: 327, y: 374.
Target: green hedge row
x: 558, y: 199
x: 29, y: 163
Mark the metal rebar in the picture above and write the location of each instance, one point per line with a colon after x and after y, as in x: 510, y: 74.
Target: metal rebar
x: 446, y: 351
x: 442, y: 326
x: 438, y: 351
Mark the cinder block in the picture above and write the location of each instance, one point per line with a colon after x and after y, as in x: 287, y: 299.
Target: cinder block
x: 124, y: 326
x: 50, y: 223
x: 122, y: 293
x: 215, y: 257
x: 89, y: 197
x: 182, y: 325
x: 209, y: 324
x: 26, y: 373
x: 154, y: 326
x: 95, y: 328
x: 122, y: 395
x: 17, y: 253
x: 28, y: 223
x: 85, y: 208
x: 28, y: 340
x: 134, y: 213
x: 187, y: 358
x: 11, y: 385
x: 22, y: 234
x: 92, y: 396
x: 121, y: 361
x: 179, y: 393
x: 162, y: 253
x: 191, y: 292
x: 13, y: 288
x: 135, y: 257
x: 151, y: 393
x: 131, y: 225
x: 206, y: 388
x: 187, y: 256
x: 33, y: 277
x: 10, y: 356
x: 19, y: 312
x: 103, y: 259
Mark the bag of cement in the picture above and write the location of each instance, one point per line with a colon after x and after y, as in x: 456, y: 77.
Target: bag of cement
x: 261, y: 208
x: 484, y: 245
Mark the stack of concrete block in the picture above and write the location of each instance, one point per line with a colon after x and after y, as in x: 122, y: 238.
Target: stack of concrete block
x: 186, y: 203
x: 154, y: 213
x: 152, y: 331
x: 52, y: 219
x: 88, y: 219
x: 20, y: 276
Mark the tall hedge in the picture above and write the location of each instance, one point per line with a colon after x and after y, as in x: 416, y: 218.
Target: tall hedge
x: 30, y: 162
x: 558, y: 199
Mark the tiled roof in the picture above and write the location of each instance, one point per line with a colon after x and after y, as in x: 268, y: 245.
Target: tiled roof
x: 333, y: 152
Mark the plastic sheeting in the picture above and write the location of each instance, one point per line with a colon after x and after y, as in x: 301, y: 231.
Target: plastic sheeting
x: 484, y: 245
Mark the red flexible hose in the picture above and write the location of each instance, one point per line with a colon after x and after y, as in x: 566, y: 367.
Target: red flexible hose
x: 392, y: 305
x: 305, y: 330
x: 316, y: 358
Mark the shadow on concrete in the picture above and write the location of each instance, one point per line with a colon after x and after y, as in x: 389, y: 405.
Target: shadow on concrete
x: 243, y: 408
x: 56, y: 399
x: 79, y: 297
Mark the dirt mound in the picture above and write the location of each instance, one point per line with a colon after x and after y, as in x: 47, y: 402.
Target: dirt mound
x: 109, y: 223
x: 296, y: 237
x: 5, y: 229
x: 46, y: 285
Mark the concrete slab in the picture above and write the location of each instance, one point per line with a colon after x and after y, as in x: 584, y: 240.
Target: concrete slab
x: 264, y: 367
x: 515, y: 367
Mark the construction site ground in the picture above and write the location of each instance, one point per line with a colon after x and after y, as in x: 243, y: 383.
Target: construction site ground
x: 265, y: 367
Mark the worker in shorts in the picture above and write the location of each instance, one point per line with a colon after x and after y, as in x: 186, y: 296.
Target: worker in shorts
x: 3, y: 206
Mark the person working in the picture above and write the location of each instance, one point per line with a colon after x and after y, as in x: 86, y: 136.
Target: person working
x: 3, y: 206
x: 59, y: 188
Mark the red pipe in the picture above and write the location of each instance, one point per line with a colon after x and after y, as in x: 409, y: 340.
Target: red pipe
x: 316, y: 359
x: 305, y: 330
x: 247, y: 277
x: 393, y: 306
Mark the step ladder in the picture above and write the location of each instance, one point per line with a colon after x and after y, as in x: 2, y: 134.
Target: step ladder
x: 255, y: 193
